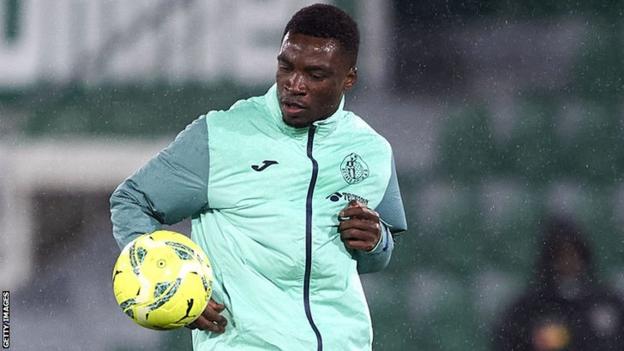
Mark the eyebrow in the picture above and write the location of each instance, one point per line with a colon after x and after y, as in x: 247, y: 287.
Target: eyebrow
x: 319, y: 68
x: 284, y: 58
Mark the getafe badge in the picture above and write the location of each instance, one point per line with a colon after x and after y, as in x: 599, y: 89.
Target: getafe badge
x: 353, y: 169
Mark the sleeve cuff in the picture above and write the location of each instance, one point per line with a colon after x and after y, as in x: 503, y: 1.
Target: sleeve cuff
x: 382, y: 244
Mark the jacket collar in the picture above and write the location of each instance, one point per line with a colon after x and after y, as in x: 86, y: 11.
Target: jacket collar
x: 323, y: 127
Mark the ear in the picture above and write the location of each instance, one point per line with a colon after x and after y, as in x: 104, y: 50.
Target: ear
x: 350, y: 79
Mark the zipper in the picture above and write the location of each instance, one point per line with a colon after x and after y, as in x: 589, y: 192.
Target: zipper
x: 308, y: 261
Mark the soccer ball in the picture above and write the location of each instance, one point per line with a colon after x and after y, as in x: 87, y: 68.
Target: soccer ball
x: 162, y: 280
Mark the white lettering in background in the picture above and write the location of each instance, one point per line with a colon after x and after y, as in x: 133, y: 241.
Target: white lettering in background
x: 113, y: 40
x: 19, y: 57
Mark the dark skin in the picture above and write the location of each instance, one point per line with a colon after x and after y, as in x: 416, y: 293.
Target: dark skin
x: 210, y: 319
x: 359, y: 227
x: 312, y: 75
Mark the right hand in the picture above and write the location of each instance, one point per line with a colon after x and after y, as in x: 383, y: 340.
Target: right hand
x: 360, y: 227
x: 210, y: 319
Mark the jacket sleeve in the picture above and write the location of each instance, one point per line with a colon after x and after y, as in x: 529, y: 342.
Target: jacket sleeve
x: 393, y: 221
x: 170, y: 187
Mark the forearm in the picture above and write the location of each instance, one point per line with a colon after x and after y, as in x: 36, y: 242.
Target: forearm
x: 392, y: 216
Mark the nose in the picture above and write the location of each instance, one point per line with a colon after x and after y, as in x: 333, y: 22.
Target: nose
x: 296, y: 84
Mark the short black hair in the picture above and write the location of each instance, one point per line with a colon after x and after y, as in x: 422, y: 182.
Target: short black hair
x: 327, y: 21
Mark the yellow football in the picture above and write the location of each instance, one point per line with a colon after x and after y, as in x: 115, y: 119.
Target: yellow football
x: 162, y: 280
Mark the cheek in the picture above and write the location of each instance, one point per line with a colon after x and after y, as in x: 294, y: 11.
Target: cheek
x: 331, y: 95
x: 279, y: 79
x: 327, y: 102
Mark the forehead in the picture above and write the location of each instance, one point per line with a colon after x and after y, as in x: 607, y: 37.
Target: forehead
x: 301, y: 46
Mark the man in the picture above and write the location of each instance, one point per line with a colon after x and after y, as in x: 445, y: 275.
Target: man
x: 566, y: 307
x: 290, y: 196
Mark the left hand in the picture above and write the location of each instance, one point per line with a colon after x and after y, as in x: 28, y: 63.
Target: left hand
x: 359, y: 227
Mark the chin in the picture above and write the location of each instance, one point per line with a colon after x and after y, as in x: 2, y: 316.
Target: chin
x: 296, y: 123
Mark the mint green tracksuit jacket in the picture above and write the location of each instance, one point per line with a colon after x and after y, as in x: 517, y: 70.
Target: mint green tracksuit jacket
x: 264, y: 200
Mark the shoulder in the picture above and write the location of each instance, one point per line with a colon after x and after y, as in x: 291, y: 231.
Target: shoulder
x: 240, y: 110
x: 359, y: 128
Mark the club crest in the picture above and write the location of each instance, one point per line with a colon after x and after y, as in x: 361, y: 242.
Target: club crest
x: 354, y: 169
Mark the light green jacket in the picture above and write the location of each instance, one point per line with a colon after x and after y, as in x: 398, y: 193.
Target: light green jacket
x: 264, y: 200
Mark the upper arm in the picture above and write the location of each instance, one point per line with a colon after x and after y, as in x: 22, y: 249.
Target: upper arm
x: 390, y: 209
x: 170, y: 187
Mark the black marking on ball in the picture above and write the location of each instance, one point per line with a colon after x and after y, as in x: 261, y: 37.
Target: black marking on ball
x: 133, y: 260
x: 183, y: 255
x: 165, y: 297
x: 115, y: 276
x: 160, y: 288
x: 205, y: 283
x: 128, y: 303
x: 189, y: 305
x: 184, y: 252
x: 141, y: 252
x: 126, y: 307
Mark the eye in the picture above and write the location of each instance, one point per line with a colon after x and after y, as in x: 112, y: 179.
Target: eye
x: 284, y: 67
x: 317, y: 76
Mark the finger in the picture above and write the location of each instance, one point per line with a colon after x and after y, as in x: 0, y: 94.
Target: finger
x: 355, y: 203
x: 210, y: 319
x: 360, y: 230
x: 353, y: 240
x: 216, y: 306
x: 356, y: 238
x: 360, y: 212
x: 203, y: 323
x: 355, y: 223
x: 359, y: 245
x: 213, y: 316
x: 351, y: 204
x: 358, y: 235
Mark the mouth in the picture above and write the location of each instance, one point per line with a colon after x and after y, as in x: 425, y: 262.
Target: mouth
x: 291, y: 107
